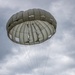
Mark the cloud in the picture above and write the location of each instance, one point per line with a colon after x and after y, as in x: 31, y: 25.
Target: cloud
x: 23, y: 61
x: 63, y: 8
x: 64, y: 14
x: 15, y: 4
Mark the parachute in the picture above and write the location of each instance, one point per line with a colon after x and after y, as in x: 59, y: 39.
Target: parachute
x: 30, y: 27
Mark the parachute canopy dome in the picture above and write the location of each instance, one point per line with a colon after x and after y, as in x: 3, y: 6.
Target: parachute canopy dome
x: 31, y: 27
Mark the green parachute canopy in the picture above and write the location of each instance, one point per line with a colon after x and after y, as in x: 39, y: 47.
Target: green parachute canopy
x: 31, y: 27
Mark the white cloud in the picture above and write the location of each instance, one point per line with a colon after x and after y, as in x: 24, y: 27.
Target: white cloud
x: 15, y: 4
x: 69, y: 72
x: 26, y: 57
x: 63, y: 10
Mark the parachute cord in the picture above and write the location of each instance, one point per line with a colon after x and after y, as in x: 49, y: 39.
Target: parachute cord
x: 44, y: 72
x: 29, y: 53
x: 36, y: 60
x: 26, y: 53
x: 28, y: 56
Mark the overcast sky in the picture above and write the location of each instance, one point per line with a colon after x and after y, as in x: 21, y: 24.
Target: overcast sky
x: 56, y: 56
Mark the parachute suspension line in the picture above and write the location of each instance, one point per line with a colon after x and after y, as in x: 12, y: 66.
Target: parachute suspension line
x: 29, y: 57
x: 14, y: 34
x: 28, y: 36
x: 46, y: 64
x: 42, y: 26
x: 48, y: 28
x: 20, y: 34
x: 17, y: 38
x: 36, y: 61
x: 44, y: 31
x: 39, y: 32
x: 36, y: 34
x: 32, y: 30
x: 28, y: 48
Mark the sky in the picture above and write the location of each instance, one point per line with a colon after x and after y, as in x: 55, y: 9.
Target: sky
x: 55, y: 56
